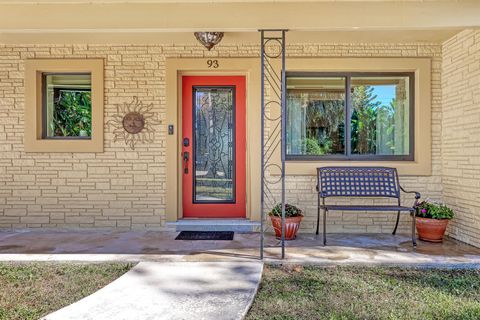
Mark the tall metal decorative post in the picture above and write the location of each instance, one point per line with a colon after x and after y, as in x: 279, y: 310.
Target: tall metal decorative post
x: 273, y: 105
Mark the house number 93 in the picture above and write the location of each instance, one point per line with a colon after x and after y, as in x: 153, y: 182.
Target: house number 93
x: 213, y: 64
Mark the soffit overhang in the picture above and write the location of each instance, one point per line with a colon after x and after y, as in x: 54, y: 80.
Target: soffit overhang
x: 402, y: 19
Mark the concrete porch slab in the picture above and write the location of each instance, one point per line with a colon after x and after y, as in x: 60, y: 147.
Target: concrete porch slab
x: 182, y: 290
x: 161, y: 246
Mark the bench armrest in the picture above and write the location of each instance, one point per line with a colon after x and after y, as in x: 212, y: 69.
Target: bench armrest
x: 320, y: 193
x: 417, y: 194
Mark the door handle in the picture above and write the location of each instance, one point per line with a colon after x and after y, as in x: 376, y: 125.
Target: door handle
x: 186, y: 156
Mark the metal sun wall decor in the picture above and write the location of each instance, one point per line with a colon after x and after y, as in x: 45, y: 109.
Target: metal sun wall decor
x: 134, y: 122
x: 209, y: 39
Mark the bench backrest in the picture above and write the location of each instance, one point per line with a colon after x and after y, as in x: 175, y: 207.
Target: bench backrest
x: 358, y: 182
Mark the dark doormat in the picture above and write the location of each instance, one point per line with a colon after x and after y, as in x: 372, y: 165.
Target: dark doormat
x: 205, y: 235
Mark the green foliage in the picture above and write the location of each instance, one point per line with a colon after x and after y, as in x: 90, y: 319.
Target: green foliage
x: 428, y: 209
x: 324, y: 126
x: 72, y: 114
x: 364, y: 120
x: 290, y: 211
x: 369, y: 120
x: 375, y: 124
x: 387, y: 125
x: 328, y: 114
x: 313, y: 147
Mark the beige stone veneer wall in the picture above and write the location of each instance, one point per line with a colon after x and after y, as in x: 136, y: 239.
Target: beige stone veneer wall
x: 461, y: 133
x: 120, y: 188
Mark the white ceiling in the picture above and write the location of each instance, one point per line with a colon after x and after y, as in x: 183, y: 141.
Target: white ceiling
x: 165, y: 21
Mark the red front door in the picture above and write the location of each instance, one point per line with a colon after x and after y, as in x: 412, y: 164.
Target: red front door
x: 213, y: 146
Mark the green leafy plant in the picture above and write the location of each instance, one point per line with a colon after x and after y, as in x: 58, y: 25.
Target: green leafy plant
x: 290, y: 211
x: 433, y: 210
x: 364, y: 119
x: 324, y: 120
x: 72, y: 114
x: 312, y: 147
x: 318, y: 146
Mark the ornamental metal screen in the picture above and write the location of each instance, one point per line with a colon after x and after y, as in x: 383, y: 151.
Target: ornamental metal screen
x: 273, y: 90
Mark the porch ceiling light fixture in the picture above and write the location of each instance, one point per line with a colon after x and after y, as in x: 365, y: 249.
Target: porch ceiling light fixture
x: 209, y: 39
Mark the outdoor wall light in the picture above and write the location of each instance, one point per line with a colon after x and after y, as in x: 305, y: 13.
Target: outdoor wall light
x: 209, y: 39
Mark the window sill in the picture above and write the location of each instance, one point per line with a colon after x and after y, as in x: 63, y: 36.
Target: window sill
x: 64, y: 145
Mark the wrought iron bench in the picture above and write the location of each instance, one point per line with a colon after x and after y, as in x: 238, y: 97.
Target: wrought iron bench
x: 361, y: 182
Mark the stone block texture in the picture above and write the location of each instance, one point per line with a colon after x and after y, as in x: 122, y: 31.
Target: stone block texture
x: 461, y: 133
x: 125, y: 189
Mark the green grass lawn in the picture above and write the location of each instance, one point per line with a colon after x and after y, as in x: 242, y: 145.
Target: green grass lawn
x: 32, y: 290
x: 297, y: 292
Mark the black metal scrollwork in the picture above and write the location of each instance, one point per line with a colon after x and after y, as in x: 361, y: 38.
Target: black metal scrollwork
x: 273, y: 113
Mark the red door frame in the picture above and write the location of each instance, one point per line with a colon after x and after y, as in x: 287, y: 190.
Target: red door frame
x: 215, y: 210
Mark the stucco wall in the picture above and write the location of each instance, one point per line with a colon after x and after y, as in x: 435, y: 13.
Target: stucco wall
x: 461, y: 133
x: 120, y: 188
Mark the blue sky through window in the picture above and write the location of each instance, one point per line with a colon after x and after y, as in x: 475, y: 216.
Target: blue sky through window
x: 384, y: 94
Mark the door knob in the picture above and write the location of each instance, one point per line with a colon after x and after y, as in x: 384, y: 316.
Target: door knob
x: 186, y: 157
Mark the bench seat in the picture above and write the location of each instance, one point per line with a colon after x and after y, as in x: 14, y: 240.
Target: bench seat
x: 365, y: 208
x: 362, y: 182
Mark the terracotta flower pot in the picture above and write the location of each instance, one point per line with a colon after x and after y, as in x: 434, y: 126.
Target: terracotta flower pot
x: 431, y: 230
x: 291, y: 226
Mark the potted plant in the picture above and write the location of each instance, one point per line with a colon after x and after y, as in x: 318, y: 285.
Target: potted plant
x: 432, y: 220
x: 293, y: 217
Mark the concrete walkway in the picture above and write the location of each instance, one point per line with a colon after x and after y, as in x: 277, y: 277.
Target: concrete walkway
x: 172, y: 290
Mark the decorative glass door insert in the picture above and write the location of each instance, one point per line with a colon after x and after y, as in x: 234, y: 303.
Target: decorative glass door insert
x: 214, y: 147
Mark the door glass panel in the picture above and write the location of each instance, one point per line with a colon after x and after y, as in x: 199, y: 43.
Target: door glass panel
x: 214, y: 148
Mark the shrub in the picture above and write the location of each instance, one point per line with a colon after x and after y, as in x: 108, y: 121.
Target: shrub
x: 290, y: 211
x: 312, y: 147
